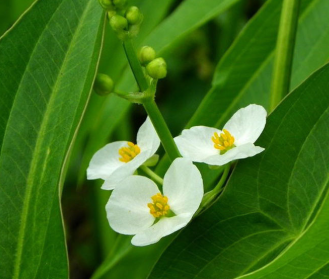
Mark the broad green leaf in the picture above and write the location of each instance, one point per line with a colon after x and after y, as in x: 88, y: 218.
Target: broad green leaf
x: 274, y: 203
x: 49, y: 61
x: 243, y: 76
x: 308, y: 256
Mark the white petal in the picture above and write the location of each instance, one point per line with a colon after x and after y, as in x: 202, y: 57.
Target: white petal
x: 247, y: 124
x: 147, y: 138
x: 127, y: 210
x: 239, y: 152
x: 183, y: 186
x: 196, y: 144
x: 162, y: 228
x: 125, y: 170
x: 105, y: 161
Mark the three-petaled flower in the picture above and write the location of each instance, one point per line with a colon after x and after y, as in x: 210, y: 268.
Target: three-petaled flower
x: 235, y: 141
x: 138, y: 208
x: 118, y: 160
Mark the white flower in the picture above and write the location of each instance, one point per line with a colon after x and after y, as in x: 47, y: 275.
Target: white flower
x: 236, y: 141
x: 117, y: 160
x: 138, y: 208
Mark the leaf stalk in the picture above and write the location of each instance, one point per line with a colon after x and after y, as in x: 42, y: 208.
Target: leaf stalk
x: 284, y: 51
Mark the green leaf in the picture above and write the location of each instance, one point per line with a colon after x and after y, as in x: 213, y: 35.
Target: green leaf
x: 187, y: 17
x: 48, y: 60
x: 274, y: 203
x: 243, y: 76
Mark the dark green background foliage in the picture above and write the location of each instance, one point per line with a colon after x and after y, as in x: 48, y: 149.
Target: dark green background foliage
x: 272, y: 218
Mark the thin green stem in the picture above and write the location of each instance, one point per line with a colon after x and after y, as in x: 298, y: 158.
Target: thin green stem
x: 222, y: 180
x: 210, y: 197
x: 284, y: 51
x: 152, y: 174
x: 135, y: 64
x: 148, y: 101
x: 162, y: 129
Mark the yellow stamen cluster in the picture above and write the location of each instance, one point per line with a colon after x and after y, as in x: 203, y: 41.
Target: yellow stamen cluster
x: 224, y: 141
x: 160, y: 206
x: 129, y: 153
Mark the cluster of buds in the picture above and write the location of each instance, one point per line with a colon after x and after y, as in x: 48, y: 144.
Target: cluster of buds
x: 156, y: 68
x: 125, y: 22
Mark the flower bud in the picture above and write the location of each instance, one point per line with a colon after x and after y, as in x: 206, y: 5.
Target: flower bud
x: 103, y: 84
x: 106, y: 4
x: 157, y: 68
x: 146, y: 55
x: 134, y: 16
x: 111, y: 13
x: 118, y: 23
x: 119, y: 3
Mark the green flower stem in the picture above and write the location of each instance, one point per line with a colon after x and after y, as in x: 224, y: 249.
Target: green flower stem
x: 162, y: 129
x: 284, y: 51
x: 148, y: 101
x: 152, y: 174
x: 135, y: 64
x: 210, y: 197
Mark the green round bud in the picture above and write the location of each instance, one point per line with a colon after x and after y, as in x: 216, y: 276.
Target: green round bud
x: 134, y: 16
x: 103, y: 84
x: 146, y: 55
x: 157, y: 68
x: 119, y: 3
x: 111, y: 13
x: 106, y: 4
x: 118, y: 23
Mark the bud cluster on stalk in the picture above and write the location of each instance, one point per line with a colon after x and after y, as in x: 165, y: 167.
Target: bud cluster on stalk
x: 156, y: 68
x: 124, y: 21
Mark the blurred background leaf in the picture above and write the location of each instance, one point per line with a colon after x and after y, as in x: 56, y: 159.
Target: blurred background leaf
x: 48, y: 60
x: 275, y: 203
x: 243, y: 76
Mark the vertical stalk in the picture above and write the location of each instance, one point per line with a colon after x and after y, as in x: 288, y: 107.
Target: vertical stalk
x: 162, y: 129
x: 135, y: 65
x: 150, y: 106
x: 284, y: 51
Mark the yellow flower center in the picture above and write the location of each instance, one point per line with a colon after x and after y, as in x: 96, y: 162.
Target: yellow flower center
x: 224, y: 141
x: 129, y: 153
x: 160, y: 206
